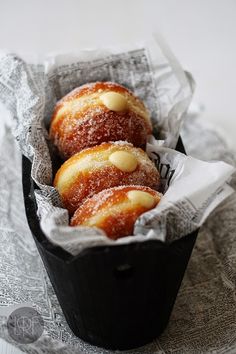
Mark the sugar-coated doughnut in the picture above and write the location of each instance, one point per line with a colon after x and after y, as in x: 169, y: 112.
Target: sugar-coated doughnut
x: 101, y: 167
x: 95, y: 113
x: 115, y: 210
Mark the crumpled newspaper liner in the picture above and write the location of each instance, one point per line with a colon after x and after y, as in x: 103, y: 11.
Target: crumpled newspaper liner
x: 30, y: 92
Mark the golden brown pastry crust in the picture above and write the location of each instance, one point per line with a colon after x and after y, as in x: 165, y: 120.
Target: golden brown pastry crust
x: 113, y: 211
x: 90, y: 171
x: 81, y: 119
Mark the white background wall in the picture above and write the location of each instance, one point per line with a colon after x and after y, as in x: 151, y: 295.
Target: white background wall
x: 201, y: 33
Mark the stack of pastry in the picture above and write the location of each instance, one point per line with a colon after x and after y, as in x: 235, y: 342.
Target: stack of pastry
x: 107, y: 180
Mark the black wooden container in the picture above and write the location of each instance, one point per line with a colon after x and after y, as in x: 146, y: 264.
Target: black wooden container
x: 116, y: 297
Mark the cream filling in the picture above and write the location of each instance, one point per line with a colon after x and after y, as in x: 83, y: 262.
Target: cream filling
x: 124, y: 161
x: 142, y: 198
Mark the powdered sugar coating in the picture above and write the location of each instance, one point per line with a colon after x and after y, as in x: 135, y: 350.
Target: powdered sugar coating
x: 80, y: 120
x: 112, y: 211
x: 90, y: 171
